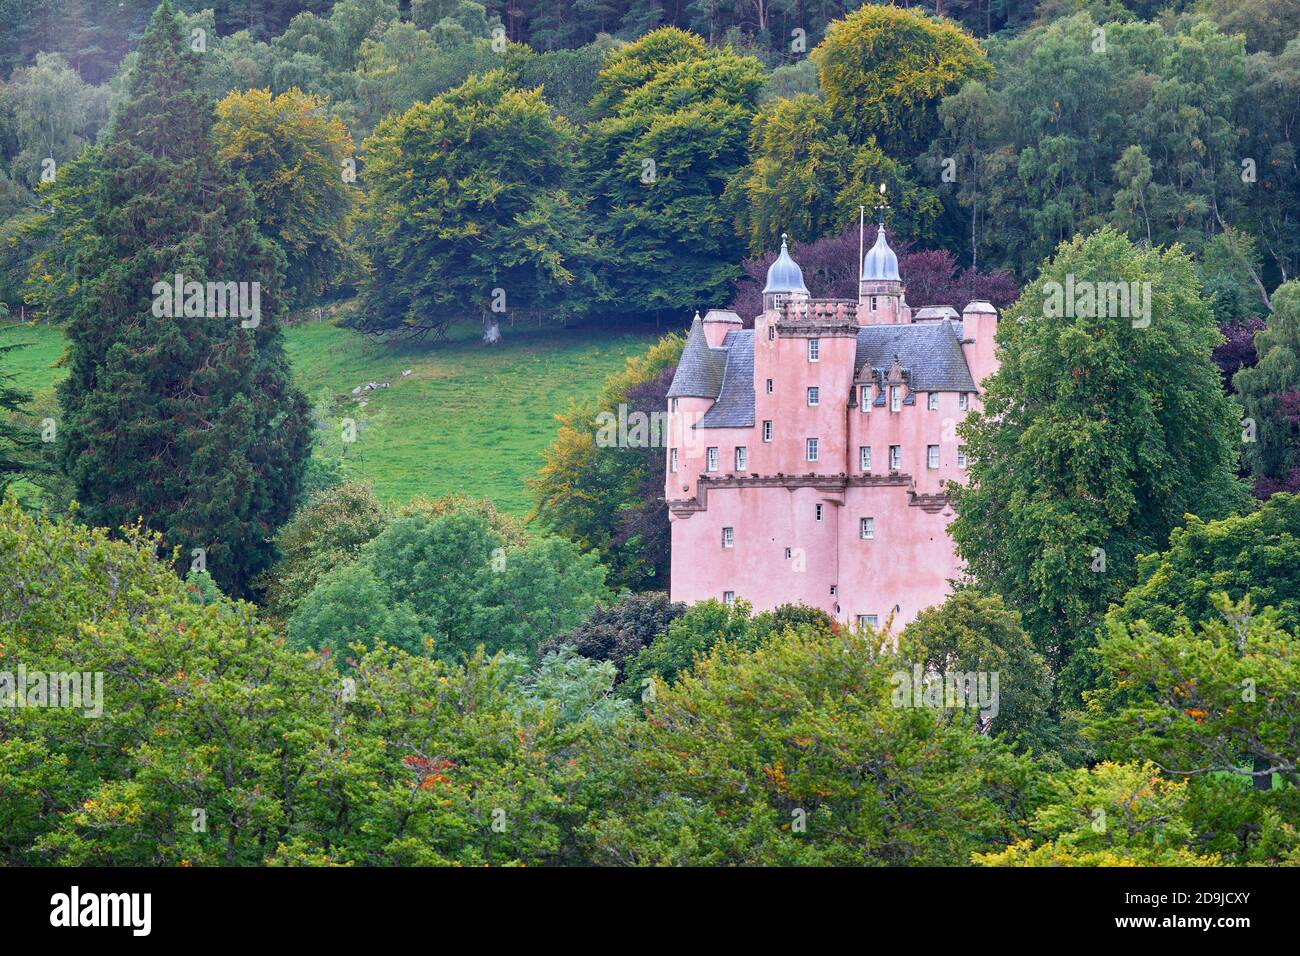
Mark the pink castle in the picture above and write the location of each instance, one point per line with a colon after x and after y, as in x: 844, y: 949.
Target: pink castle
x: 809, y: 456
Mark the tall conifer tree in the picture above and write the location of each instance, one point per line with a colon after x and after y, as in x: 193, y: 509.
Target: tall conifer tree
x: 190, y: 422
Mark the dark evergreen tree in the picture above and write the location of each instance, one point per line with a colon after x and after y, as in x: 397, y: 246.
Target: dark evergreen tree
x: 16, y: 440
x: 190, y: 423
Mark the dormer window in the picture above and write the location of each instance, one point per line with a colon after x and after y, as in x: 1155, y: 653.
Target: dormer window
x: 814, y: 350
x: 864, y: 397
x: 895, y: 398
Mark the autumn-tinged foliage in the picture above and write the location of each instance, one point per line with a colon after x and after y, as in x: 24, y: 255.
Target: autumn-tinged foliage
x: 608, y: 498
x: 293, y: 156
x: 792, y: 754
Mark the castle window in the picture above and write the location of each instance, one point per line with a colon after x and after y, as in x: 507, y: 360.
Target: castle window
x: 814, y: 350
x: 674, y: 408
x: 814, y: 395
x: 864, y: 458
x: 811, y: 449
x: 767, y: 431
x: 711, y: 458
x: 932, y: 403
x: 742, y: 458
x: 672, y: 459
x: 895, y: 457
x: 963, y: 401
x: 867, y: 529
x: 932, y: 456
x: 895, y: 398
x: 817, y: 512
x: 769, y: 386
x: 961, y: 457
x: 728, y: 537
x: 771, y: 331
x: 867, y: 621
x: 728, y: 597
x: 788, y: 552
x: 873, y: 303
x: 864, y: 397
x: 833, y: 590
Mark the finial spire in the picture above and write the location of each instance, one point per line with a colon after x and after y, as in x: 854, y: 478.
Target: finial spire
x: 884, y: 204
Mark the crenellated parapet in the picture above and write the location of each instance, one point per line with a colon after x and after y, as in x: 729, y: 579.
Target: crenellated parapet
x: 815, y: 317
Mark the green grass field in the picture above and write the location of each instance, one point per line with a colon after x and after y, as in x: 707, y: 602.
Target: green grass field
x: 469, y: 418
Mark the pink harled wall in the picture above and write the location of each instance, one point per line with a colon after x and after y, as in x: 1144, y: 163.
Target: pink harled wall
x: 781, y: 551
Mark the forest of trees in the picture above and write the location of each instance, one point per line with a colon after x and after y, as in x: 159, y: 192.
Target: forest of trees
x: 336, y: 679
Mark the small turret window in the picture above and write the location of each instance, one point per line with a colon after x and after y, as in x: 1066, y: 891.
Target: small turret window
x: 771, y: 331
x: 672, y: 459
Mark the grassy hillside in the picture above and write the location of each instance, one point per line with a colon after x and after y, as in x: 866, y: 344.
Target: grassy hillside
x: 467, y: 419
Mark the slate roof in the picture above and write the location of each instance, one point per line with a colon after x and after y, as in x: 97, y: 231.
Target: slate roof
x: 699, y: 372
x: 735, y: 405
x: 931, y: 352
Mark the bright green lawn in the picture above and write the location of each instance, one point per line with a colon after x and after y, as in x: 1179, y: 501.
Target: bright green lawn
x: 469, y: 418
x: 32, y: 366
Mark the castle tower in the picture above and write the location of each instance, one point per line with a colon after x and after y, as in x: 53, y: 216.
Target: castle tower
x: 880, y: 289
x: 784, y: 280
